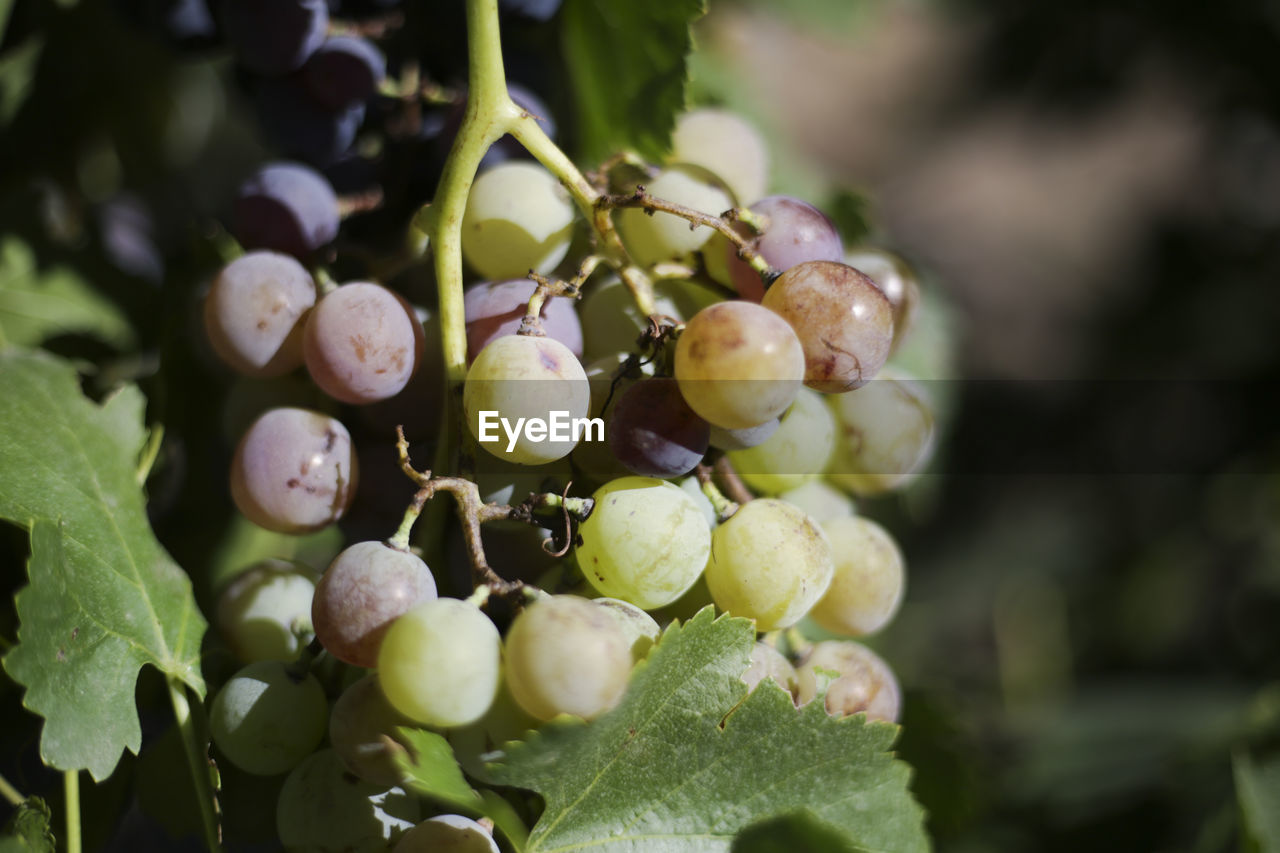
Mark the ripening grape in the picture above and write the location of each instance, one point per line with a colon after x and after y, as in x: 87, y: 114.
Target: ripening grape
x: 265, y: 720
x: 496, y: 308
x: 593, y: 459
x: 843, y: 320
x: 518, y: 218
x: 795, y: 232
x: 884, y: 435
x: 362, y: 343
x: 646, y: 541
x: 362, y: 731
x: 641, y: 629
x: 343, y: 71
x: 252, y: 313
x: 868, y: 585
x: 366, y: 588
x: 440, y: 663
x: 741, y: 439
x: 768, y: 662
x: 896, y: 280
x: 738, y: 364
x: 285, y: 207
x: 566, y: 655
x: 820, y: 501
x: 796, y: 453
x: 526, y: 380
x: 274, y: 37
x: 260, y: 611
x: 653, y: 432
x: 865, y: 683
x: 611, y: 320
x: 769, y: 562
x: 726, y: 144
x: 324, y: 809
x: 447, y: 833
x: 665, y: 236
x: 294, y: 471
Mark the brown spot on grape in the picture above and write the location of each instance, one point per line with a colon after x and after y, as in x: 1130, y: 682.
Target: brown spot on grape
x: 548, y: 360
x: 62, y: 655
x: 293, y: 482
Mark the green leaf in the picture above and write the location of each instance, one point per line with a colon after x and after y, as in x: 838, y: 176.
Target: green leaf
x: 627, y: 63
x: 791, y: 832
x: 17, y: 75
x: 1258, y: 792
x: 29, y: 829
x: 685, y: 764
x: 38, y: 304
x: 104, y: 597
x: 433, y: 772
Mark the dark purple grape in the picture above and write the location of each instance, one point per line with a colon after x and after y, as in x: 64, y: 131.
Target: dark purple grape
x: 301, y: 127
x: 494, y: 309
x: 182, y: 23
x: 285, y: 207
x: 797, y: 232
x: 345, y: 70
x: 274, y: 37
x: 537, y: 10
x: 654, y: 433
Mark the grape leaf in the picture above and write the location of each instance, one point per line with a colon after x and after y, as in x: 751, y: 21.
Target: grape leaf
x: 104, y: 597
x: 685, y: 764
x: 627, y: 64
x: 35, y: 304
x: 1258, y: 792
x: 790, y: 832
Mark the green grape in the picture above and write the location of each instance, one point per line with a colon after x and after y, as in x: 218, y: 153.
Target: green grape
x: 868, y: 585
x: 686, y: 606
x: 440, y: 663
x: 726, y: 144
x: 362, y: 731
x: 324, y: 809
x: 820, y: 501
x: 566, y: 655
x: 864, y: 683
x: 641, y: 629
x: 518, y: 218
x: 477, y: 743
x: 769, y: 562
x: 884, y: 435
x: 797, y: 452
x: 665, y: 236
x: 611, y: 320
x: 518, y: 382
x: 265, y: 721
x: 645, y: 542
x: 691, y: 487
x: 260, y: 611
x: 768, y: 662
x: 447, y: 833
x: 738, y: 364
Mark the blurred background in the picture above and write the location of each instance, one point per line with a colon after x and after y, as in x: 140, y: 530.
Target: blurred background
x: 1091, y: 194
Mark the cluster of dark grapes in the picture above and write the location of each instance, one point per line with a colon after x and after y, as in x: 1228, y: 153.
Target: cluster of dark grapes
x: 754, y: 353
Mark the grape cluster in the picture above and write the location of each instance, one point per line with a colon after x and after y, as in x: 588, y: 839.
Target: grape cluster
x: 729, y: 344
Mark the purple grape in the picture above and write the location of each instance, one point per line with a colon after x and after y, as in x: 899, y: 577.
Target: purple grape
x: 286, y: 207
x: 494, y: 309
x: 654, y: 433
x: 537, y: 10
x: 302, y: 127
x: 345, y: 70
x: 797, y: 232
x: 274, y: 37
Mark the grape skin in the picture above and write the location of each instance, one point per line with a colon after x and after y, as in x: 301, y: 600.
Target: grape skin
x: 769, y: 562
x: 265, y: 721
x: 345, y: 70
x: 843, y: 320
x: 364, y: 590
x: 518, y: 218
x: 869, y: 581
x: 646, y: 542
x: 495, y: 309
x: 257, y: 611
x: 768, y: 662
x: 820, y: 501
x: 285, y: 207
x: 885, y: 435
x: 324, y: 809
x: 449, y: 833
x: 726, y: 144
x: 654, y: 433
x: 665, y: 236
x: 796, y: 453
x: 294, y: 471
x: 362, y: 343
x: 440, y: 663
x: 864, y: 683
x: 796, y: 232
x: 738, y: 364
x: 293, y: 122
x: 642, y: 630
x: 362, y: 731
x: 525, y: 377
x: 566, y: 655
x: 252, y: 313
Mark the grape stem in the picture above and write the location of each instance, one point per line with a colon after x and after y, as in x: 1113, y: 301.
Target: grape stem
x: 11, y: 794
x: 732, y: 483
x: 724, y: 507
x: 71, y: 796
x: 198, y: 763
x: 531, y: 324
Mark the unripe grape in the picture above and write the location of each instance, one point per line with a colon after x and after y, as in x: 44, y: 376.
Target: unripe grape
x: 265, y: 720
x: 885, y: 434
x: 768, y: 662
x: 324, y: 809
x: 664, y: 236
x: 252, y: 313
x: 868, y: 585
x: 641, y: 628
x: 518, y: 218
x: 258, y: 611
x: 797, y: 452
x: 362, y: 731
x: 820, y: 501
x: 447, y: 833
x: 864, y: 682
x: 726, y: 144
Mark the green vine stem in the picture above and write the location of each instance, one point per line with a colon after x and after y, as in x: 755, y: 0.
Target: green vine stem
x: 724, y: 507
x: 71, y: 790
x: 11, y: 794
x: 198, y: 763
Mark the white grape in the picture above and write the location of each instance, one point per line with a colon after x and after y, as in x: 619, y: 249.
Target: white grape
x: 259, y: 611
x: 822, y: 502
x: 447, y: 833
x: 726, y: 144
x: 885, y: 435
x: 265, y: 720
x: 324, y: 809
x: 798, y: 451
x: 518, y: 218
x: 870, y: 577
x: 641, y: 629
x: 864, y: 683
